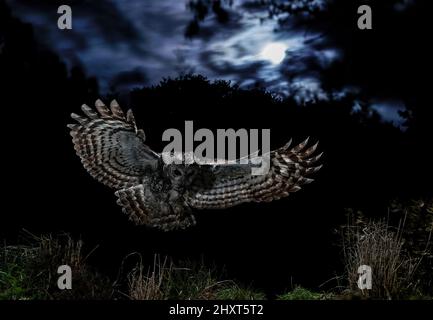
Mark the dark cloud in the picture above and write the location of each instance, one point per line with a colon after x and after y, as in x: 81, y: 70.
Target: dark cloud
x: 101, y: 17
x: 127, y: 79
x: 101, y: 34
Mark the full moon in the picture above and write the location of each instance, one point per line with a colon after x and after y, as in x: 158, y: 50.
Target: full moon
x: 274, y: 52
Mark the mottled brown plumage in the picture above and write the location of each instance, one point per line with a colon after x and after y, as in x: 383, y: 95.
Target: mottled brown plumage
x: 153, y: 193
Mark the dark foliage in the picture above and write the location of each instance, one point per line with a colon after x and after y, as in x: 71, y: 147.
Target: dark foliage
x: 30, y: 271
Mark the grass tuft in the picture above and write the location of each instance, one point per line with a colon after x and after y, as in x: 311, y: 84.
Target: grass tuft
x: 185, y: 280
x: 395, y: 266
x: 300, y: 293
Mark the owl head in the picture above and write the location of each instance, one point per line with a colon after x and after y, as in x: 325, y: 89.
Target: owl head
x: 179, y: 175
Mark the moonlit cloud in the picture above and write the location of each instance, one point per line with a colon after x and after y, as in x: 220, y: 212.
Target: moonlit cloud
x: 113, y: 38
x: 126, y: 44
x: 389, y: 110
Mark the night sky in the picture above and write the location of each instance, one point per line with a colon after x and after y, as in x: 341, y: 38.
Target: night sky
x: 329, y: 75
x: 126, y: 44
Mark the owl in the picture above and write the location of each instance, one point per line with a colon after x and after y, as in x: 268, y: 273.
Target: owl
x: 113, y: 150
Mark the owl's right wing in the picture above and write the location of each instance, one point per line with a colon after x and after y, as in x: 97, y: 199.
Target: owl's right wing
x: 111, y: 147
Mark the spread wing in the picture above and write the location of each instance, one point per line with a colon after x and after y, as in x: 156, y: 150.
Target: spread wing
x: 234, y: 184
x: 110, y: 146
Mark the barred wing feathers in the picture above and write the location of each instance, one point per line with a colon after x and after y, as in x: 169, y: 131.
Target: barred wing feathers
x: 110, y: 146
x: 234, y: 184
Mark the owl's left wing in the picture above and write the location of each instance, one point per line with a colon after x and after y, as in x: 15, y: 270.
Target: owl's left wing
x: 234, y: 184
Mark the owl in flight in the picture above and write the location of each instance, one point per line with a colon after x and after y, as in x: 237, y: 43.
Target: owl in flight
x: 162, y: 195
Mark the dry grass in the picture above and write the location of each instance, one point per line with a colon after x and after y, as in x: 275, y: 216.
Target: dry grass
x: 380, y: 246
x: 149, y: 285
x: 185, y: 280
x: 30, y: 271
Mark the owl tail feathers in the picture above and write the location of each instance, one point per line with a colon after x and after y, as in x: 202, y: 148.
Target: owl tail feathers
x: 142, y: 208
x: 133, y: 204
x: 173, y: 222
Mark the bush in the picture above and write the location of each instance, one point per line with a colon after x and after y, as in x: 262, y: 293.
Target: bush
x: 30, y: 272
x: 12, y: 283
x: 417, y: 233
x: 398, y: 255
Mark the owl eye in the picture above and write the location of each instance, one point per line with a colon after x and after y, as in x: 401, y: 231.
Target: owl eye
x: 177, y: 172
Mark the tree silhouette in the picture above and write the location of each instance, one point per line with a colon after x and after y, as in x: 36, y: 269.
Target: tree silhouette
x: 367, y: 162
